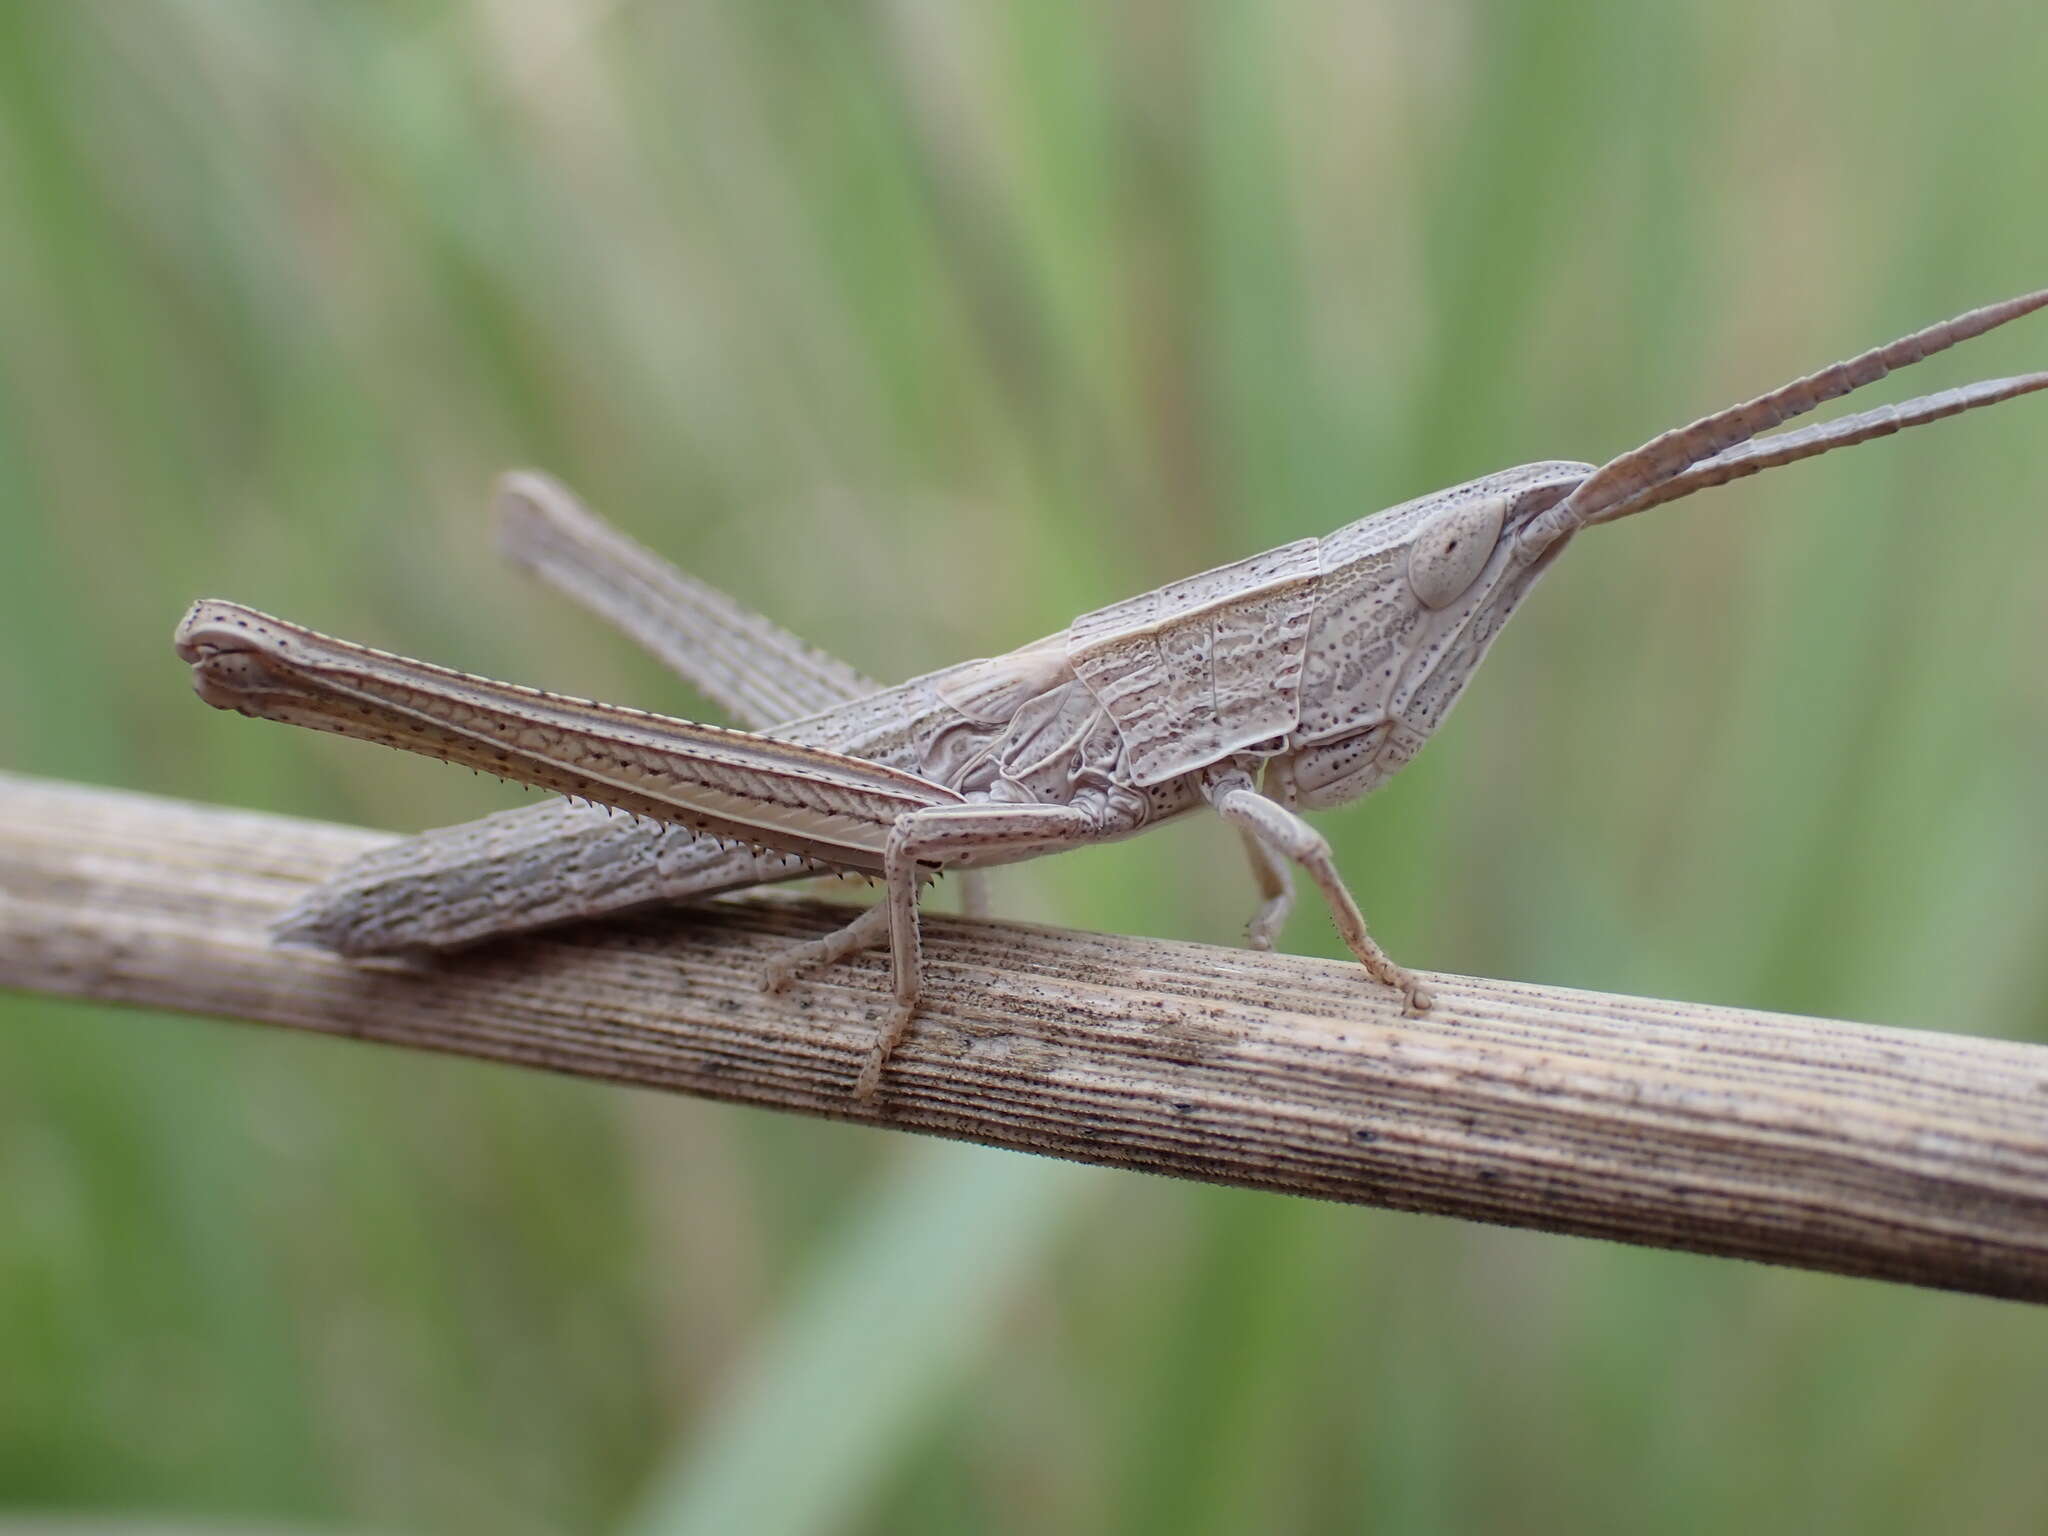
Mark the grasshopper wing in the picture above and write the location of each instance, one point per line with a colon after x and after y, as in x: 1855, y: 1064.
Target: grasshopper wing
x: 736, y: 658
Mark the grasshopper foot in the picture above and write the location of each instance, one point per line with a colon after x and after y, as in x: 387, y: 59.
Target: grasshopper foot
x: 779, y: 972
x: 1416, y: 999
x: 869, y: 929
x: 1266, y: 923
x: 893, y: 1030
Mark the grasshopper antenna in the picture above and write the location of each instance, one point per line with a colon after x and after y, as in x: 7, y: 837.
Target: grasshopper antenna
x: 1623, y: 480
x: 1763, y: 453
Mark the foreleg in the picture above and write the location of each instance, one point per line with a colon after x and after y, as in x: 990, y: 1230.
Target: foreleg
x: 1276, y: 886
x: 1282, y: 831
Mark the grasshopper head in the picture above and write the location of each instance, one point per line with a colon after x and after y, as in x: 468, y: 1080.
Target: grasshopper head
x: 1411, y: 598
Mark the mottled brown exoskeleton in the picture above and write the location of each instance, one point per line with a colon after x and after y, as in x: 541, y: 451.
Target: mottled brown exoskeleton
x: 1295, y: 680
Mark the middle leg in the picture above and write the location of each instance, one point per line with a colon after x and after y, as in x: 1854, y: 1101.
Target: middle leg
x: 926, y: 840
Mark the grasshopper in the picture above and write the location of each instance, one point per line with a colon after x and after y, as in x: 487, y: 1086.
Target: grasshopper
x: 1297, y: 679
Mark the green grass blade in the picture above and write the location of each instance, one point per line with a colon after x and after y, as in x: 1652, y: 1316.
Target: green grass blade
x: 883, y: 1328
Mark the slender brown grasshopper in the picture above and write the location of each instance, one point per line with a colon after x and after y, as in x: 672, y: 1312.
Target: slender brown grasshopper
x: 1297, y: 679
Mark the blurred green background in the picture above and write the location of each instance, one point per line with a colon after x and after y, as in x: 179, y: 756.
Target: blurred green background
x: 923, y: 327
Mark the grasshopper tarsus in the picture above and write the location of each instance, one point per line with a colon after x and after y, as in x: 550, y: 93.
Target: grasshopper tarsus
x: 895, y: 1025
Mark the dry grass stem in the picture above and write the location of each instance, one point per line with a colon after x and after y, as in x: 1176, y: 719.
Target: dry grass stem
x: 1906, y: 1155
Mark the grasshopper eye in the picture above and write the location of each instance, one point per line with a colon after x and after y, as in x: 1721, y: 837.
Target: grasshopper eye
x: 1452, y: 547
